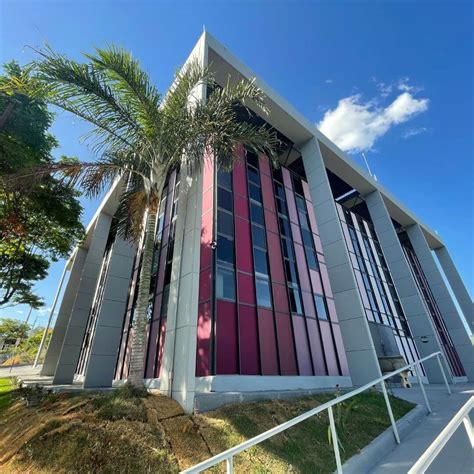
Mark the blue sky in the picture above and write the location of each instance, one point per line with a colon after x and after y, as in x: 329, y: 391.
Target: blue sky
x: 400, y: 73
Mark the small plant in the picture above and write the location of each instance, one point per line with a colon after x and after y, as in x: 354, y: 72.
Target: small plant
x: 33, y: 395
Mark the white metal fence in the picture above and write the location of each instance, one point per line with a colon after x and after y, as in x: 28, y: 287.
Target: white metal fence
x: 228, y: 455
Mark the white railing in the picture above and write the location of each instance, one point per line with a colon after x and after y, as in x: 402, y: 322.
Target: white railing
x: 462, y: 416
x: 228, y: 455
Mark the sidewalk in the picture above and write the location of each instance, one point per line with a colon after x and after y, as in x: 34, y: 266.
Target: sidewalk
x: 20, y: 371
x: 456, y: 457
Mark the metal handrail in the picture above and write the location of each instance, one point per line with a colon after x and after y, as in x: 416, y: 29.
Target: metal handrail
x: 229, y: 454
x: 462, y: 416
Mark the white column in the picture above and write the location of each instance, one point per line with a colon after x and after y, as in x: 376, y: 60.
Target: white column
x: 64, y: 314
x: 443, y: 299
x: 107, y: 333
x: 358, y: 343
x: 457, y: 285
x: 71, y: 347
x: 412, y: 303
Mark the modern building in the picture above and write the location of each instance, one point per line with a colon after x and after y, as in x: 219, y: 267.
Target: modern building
x: 267, y: 282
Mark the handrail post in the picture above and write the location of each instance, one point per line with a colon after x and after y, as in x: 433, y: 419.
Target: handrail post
x: 443, y: 373
x: 229, y: 465
x: 390, y: 412
x: 335, y: 441
x: 420, y: 381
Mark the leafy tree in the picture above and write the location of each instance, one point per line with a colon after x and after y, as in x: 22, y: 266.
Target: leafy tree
x: 140, y: 136
x: 12, y: 329
x: 39, y: 219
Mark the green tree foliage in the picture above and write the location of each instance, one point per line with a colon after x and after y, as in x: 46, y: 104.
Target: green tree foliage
x: 40, y: 217
x: 12, y: 329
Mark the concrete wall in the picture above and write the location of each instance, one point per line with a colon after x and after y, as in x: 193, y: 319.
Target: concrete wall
x: 443, y: 299
x: 67, y: 362
x: 457, y: 285
x: 106, y: 340
x: 410, y: 298
x: 360, y: 350
x: 64, y: 314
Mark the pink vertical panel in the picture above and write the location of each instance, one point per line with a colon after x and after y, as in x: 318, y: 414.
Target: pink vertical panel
x: 227, y: 350
x: 316, y: 347
x: 152, y: 346
x: 308, y: 304
x: 207, y: 200
x: 286, y: 349
x: 206, y: 241
x: 306, y: 191
x: 329, y: 349
x: 248, y: 335
x: 161, y: 274
x: 161, y: 345
x: 246, y: 288
x: 208, y: 173
x: 317, y: 244
x: 302, y: 347
x: 268, y: 346
x: 241, y: 207
x: 240, y: 178
x: 296, y: 233
x: 264, y: 164
x: 205, y: 285
x: 316, y: 282
x: 275, y: 258
x: 290, y: 201
x: 203, y: 340
x: 301, y: 265
x: 332, y: 310
x: 286, y: 178
x: 243, y: 246
x: 325, y: 278
x: 271, y: 223
x: 267, y: 192
x: 312, y: 218
x: 280, y: 298
x: 341, y: 352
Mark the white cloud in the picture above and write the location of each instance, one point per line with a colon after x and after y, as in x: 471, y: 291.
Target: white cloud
x: 355, y: 125
x: 412, y: 132
x: 328, y: 81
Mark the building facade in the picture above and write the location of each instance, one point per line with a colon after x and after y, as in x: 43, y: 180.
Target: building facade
x: 265, y: 280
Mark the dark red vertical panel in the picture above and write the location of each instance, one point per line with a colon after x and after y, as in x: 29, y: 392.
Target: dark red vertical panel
x: 246, y: 287
x: 243, y: 248
x: 227, y: 351
x: 203, y: 349
x: 275, y: 257
x: 286, y: 349
x: 268, y: 346
x: 248, y: 334
x: 267, y: 192
x: 316, y: 347
x: 302, y: 346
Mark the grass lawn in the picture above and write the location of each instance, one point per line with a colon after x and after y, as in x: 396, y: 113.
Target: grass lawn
x: 120, y: 432
x: 6, y: 387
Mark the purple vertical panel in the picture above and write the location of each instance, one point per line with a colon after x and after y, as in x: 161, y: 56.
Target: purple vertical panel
x: 329, y: 349
x: 267, y: 192
x: 161, y: 345
x: 268, y: 346
x: 275, y: 258
x: 248, y: 335
x: 302, y: 270
x: 152, y: 346
x: 290, y: 201
x: 227, y: 350
x: 286, y: 349
x: 340, y: 349
x: 316, y: 347
x: 316, y: 282
x: 264, y: 165
x: 302, y: 346
x: 243, y: 248
x: 325, y: 278
x: 203, y: 349
x: 246, y: 286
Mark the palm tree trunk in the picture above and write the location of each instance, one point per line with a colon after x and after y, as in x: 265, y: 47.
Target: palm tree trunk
x: 137, y: 359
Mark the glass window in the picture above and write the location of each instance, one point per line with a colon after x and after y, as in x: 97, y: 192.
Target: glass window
x: 295, y: 300
x: 311, y: 258
x: 300, y: 204
x: 287, y: 249
x: 258, y: 236
x: 281, y: 207
x: 225, y: 283
x: 256, y: 213
x: 303, y: 220
x: 224, y: 199
x: 277, y: 175
x: 284, y: 227
x: 290, y: 271
x: 321, y: 308
x: 224, y: 178
x: 307, y: 238
x: 254, y: 192
x: 260, y: 260
x: 298, y: 186
x: 252, y: 159
x: 280, y: 191
x: 253, y: 175
x: 225, y: 223
x: 225, y: 250
x: 263, y: 293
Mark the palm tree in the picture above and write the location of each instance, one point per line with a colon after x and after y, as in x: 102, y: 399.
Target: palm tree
x: 141, y: 135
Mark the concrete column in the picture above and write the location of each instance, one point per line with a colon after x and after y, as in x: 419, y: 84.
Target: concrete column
x: 443, y: 299
x: 71, y: 347
x: 457, y: 285
x: 410, y: 298
x: 107, y: 334
x: 178, y: 374
x: 360, y: 350
x: 69, y: 296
